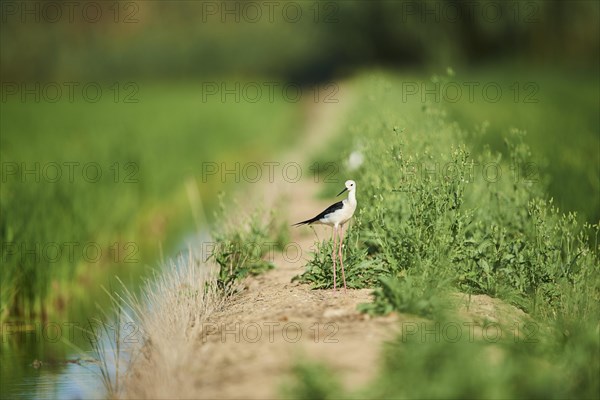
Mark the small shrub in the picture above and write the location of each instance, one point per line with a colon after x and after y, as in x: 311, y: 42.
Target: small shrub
x: 239, y: 249
x: 361, y: 271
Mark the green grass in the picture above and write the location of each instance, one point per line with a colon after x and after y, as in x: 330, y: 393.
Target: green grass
x: 150, y: 153
x: 431, y: 222
x: 242, y: 250
x: 319, y: 269
x: 558, y: 110
x: 433, y: 203
x: 416, y: 368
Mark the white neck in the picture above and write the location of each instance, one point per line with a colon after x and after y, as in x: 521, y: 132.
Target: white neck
x: 352, y: 197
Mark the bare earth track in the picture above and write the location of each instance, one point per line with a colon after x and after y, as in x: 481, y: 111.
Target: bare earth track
x: 247, y: 347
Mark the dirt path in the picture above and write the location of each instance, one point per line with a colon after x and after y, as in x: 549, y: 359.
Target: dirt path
x: 252, y: 343
x: 257, y: 338
x: 247, y: 348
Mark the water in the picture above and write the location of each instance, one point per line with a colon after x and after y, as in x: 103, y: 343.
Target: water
x: 52, y: 382
x: 54, y: 359
x: 67, y: 370
x: 62, y: 374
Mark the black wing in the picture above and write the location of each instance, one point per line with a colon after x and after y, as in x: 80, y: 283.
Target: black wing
x: 328, y: 210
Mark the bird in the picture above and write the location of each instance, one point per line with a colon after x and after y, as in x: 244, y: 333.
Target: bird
x: 336, y: 215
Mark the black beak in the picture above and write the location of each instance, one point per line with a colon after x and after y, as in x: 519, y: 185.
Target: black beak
x: 342, y: 192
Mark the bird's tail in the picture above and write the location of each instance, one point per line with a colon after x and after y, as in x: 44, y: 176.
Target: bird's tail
x: 307, y: 222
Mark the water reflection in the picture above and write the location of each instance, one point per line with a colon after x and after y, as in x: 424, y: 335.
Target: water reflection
x: 54, y: 359
x: 33, y: 368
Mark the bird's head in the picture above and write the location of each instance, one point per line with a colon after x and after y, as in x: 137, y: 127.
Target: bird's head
x: 350, y: 185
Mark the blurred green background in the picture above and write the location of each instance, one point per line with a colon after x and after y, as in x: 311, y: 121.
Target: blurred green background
x: 153, y: 60
x: 160, y: 118
x: 293, y: 40
x: 158, y: 124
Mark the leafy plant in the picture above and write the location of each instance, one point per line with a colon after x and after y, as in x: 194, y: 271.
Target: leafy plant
x: 312, y: 380
x: 476, y: 369
x: 239, y: 250
x: 436, y: 212
x: 361, y: 270
x: 408, y: 294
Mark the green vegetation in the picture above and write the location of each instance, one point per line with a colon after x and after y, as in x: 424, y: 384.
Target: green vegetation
x: 178, y: 299
x: 438, y: 216
x: 142, y: 160
x: 414, y: 368
x: 303, y: 41
x: 319, y: 271
x: 315, y: 381
x: 561, y: 127
x: 94, y: 189
x: 433, y: 207
x: 240, y: 250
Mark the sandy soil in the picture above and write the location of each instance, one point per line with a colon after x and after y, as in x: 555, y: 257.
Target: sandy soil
x: 246, y: 349
x: 254, y: 341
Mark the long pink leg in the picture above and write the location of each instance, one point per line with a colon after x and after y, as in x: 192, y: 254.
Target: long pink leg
x: 341, y: 256
x: 333, y: 234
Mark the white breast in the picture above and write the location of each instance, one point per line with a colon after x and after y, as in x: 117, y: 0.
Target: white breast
x: 341, y: 216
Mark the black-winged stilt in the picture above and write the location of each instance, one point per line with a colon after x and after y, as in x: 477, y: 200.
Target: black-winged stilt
x: 336, y: 215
